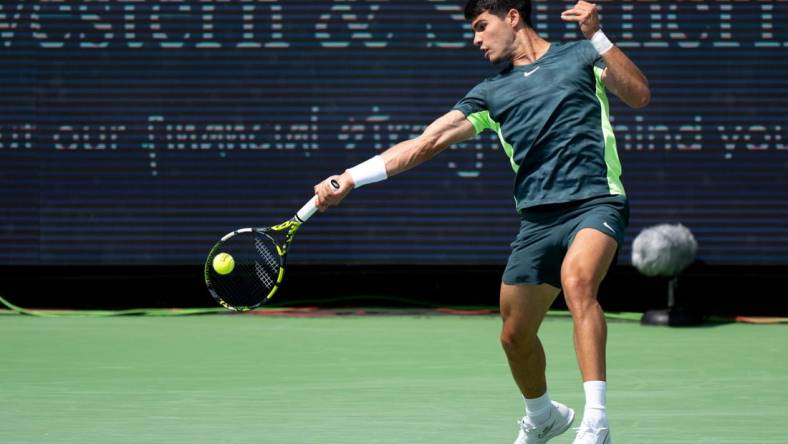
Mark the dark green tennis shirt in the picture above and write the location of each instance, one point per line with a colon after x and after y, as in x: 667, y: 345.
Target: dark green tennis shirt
x: 552, y: 118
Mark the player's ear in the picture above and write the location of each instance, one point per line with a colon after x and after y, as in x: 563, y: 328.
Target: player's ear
x: 512, y: 17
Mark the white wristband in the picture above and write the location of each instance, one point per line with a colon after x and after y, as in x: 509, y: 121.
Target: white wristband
x: 370, y: 171
x: 601, y: 43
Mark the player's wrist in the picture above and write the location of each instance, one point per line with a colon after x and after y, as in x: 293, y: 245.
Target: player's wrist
x: 367, y: 172
x: 600, y: 42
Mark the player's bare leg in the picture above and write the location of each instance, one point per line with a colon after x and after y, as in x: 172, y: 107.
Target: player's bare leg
x: 583, y: 269
x: 523, y: 308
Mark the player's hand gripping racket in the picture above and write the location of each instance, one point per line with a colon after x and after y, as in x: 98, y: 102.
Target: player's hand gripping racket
x: 246, y: 267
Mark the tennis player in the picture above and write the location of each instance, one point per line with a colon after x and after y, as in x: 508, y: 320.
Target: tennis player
x: 550, y: 111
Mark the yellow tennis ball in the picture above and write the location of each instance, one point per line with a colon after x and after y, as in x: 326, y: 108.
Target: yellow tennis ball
x: 223, y: 263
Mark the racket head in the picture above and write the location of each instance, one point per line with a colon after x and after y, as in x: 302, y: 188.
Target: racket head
x: 258, y: 271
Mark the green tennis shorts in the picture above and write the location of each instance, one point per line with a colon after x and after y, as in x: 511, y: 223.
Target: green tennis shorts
x: 547, y: 231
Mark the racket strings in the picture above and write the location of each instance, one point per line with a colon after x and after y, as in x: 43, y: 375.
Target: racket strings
x: 267, y: 253
x: 264, y: 276
x: 270, y: 266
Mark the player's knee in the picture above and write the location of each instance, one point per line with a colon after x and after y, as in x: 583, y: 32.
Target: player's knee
x: 577, y: 284
x: 579, y: 290
x: 519, y: 342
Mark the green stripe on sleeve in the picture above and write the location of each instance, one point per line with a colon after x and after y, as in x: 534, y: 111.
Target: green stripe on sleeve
x: 481, y: 120
x: 611, y: 151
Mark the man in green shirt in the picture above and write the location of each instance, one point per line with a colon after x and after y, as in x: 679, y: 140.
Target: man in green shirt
x: 550, y: 111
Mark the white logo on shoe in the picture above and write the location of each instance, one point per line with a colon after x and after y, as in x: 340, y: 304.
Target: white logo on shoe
x: 545, y: 431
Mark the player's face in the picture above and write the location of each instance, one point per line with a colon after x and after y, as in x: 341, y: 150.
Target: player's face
x: 493, y: 35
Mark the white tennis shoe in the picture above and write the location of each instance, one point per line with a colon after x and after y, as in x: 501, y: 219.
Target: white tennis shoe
x: 561, y: 417
x: 592, y: 435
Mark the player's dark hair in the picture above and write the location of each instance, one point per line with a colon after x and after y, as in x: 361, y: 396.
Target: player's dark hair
x: 474, y: 8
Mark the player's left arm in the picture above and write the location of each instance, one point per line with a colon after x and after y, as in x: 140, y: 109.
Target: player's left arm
x: 621, y: 76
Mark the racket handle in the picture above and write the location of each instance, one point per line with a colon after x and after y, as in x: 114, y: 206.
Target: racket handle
x: 310, y: 208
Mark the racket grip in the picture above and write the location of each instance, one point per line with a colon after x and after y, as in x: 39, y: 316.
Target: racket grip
x: 310, y: 208
x: 307, y: 210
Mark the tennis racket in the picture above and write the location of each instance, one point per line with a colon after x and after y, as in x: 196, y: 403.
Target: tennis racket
x: 259, y: 255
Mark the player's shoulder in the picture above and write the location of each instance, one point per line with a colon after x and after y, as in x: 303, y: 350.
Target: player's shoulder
x: 488, y: 83
x: 576, y: 45
x: 481, y: 87
x: 582, y: 46
x: 576, y: 51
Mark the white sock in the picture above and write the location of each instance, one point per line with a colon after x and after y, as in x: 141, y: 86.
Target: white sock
x: 538, y: 409
x: 595, y: 414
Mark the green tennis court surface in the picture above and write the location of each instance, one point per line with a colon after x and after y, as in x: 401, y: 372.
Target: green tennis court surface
x: 370, y: 379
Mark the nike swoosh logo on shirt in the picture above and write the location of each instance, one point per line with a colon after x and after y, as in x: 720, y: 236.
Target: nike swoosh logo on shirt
x: 608, y: 226
x: 528, y: 73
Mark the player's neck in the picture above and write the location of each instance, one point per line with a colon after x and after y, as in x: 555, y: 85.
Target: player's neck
x: 529, y: 47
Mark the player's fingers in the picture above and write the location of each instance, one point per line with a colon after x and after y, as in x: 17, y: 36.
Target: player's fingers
x: 324, y: 194
x: 575, y: 15
x: 334, y: 184
x: 332, y: 195
x: 589, y: 8
x: 328, y: 191
x: 578, y: 10
x: 585, y: 6
x: 569, y: 18
x: 319, y: 202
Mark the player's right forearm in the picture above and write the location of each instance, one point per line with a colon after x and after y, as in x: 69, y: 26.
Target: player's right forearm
x: 450, y: 128
x: 401, y: 157
x: 409, y: 154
